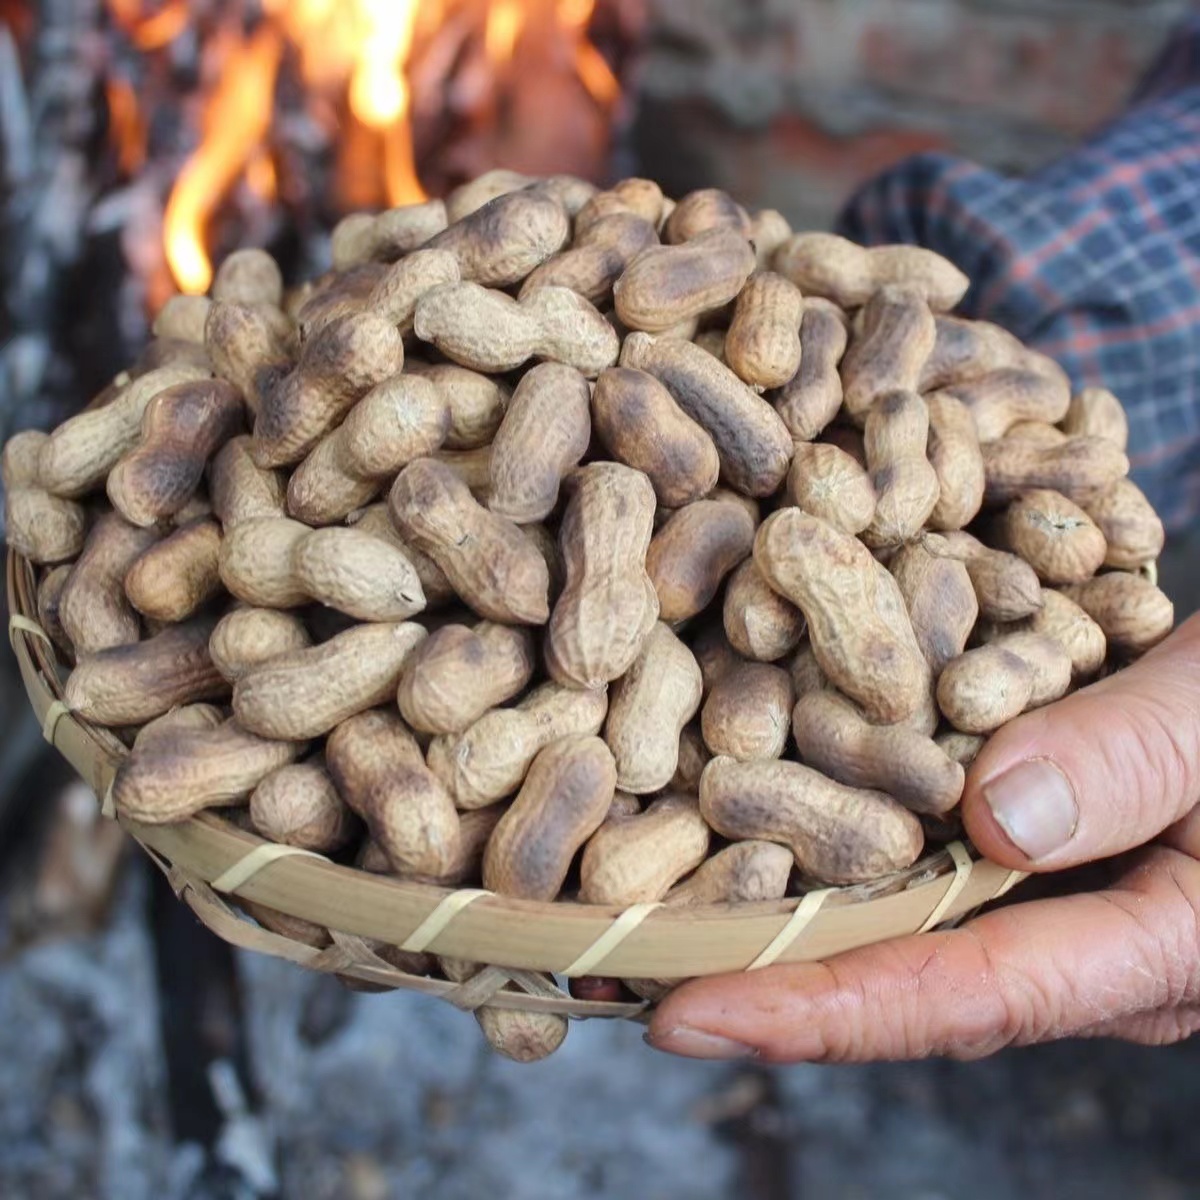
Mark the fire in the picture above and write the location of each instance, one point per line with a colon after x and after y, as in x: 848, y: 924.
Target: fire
x: 358, y: 60
x: 235, y: 123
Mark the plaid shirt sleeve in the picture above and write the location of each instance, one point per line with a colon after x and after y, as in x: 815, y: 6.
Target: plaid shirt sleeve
x: 1095, y: 260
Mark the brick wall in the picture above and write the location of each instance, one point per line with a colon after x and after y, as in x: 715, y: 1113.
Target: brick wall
x: 791, y: 103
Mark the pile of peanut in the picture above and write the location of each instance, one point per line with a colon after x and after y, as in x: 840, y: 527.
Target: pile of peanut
x: 582, y: 544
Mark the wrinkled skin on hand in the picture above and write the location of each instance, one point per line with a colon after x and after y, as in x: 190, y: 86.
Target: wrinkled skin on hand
x: 1091, y: 777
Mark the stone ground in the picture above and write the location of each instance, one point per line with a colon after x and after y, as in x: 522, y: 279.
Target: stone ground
x: 314, y: 1093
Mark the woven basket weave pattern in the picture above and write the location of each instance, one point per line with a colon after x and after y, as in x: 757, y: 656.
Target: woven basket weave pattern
x: 207, y: 858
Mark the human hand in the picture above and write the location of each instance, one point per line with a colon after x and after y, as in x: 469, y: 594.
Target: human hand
x: 1103, y: 771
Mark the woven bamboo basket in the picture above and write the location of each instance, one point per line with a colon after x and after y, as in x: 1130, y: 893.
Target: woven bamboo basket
x: 209, y: 859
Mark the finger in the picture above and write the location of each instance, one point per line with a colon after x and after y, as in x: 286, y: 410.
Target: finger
x: 1103, y: 770
x: 1014, y: 976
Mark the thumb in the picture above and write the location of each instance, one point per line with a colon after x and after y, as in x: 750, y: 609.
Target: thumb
x: 1101, y: 771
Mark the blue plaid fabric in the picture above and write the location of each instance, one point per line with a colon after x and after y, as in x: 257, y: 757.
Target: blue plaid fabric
x: 1095, y: 260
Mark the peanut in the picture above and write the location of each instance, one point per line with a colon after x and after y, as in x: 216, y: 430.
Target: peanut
x: 753, y: 444
x: 94, y: 609
x: 823, y: 264
x: 939, y: 596
x: 376, y: 520
x: 1068, y: 624
x: 641, y: 425
x: 182, y: 318
x: 474, y: 194
x: 524, y: 1037
x: 769, y: 229
x: 857, y: 623
x: 342, y: 294
x: 79, y: 454
x: 473, y: 467
x: 563, y: 801
x: 129, y: 684
x: 402, y: 418
x: 693, y: 757
x: 182, y: 427
x: 490, y: 331
x: 664, y: 285
x: 545, y: 432
x: 690, y: 556
x: 643, y: 197
x: 251, y: 346
x: 714, y: 655
x: 906, y: 485
x: 247, y: 637
x: 184, y: 770
x: 1006, y: 586
x: 962, y: 748
x: 361, y: 238
x: 1056, y: 537
x: 954, y: 453
x: 1046, y: 658
x: 476, y: 402
x: 747, y: 711
x: 491, y: 564
x: 354, y: 572
x: 805, y: 672
x: 596, y: 259
x: 828, y: 483
x: 893, y: 337
x: 297, y: 805
x: 505, y: 239
x: 763, y: 343
x: 490, y: 759
x: 811, y: 399
x: 833, y: 736
x: 457, y: 674
x: 608, y: 605
x: 338, y: 365
x: 704, y: 210
x: 475, y: 827
x: 1133, y: 531
x: 241, y: 490
x: 982, y: 689
x: 759, y: 623
x: 170, y: 580
x: 49, y: 600
x: 396, y: 293
x: 649, y: 706
x: 43, y: 527
x: 745, y: 872
x: 1079, y: 468
x: 1004, y: 397
x: 1134, y: 614
x: 248, y: 276
x: 379, y: 771
x: 256, y: 562
x: 637, y: 859
x: 1096, y: 412
x: 967, y: 350
x: 837, y: 834
x: 307, y: 692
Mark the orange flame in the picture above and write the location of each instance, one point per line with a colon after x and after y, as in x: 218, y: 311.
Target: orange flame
x: 505, y: 20
x: 356, y: 52
x: 126, y: 125
x: 154, y: 31
x: 235, y: 121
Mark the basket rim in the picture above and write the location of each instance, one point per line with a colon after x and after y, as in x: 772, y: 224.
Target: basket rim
x: 663, y: 942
